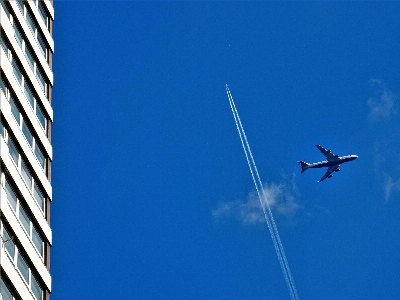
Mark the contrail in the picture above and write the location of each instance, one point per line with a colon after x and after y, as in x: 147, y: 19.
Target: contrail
x: 264, y: 204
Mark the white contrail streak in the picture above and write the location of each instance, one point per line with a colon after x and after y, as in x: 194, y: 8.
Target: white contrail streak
x: 264, y: 204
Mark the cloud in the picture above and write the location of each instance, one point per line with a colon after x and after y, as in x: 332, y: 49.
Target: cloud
x: 390, y: 186
x: 383, y: 105
x: 386, y: 158
x: 386, y: 164
x: 280, y: 197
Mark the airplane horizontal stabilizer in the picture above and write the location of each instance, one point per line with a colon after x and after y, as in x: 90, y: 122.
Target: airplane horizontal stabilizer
x: 304, y: 166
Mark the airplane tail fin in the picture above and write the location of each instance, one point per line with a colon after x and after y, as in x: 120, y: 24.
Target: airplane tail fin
x: 304, y: 166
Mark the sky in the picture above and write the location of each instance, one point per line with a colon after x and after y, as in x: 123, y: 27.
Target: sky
x: 152, y: 195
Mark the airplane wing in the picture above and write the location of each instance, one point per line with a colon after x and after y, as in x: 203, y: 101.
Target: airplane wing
x: 329, y: 172
x: 328, y: 153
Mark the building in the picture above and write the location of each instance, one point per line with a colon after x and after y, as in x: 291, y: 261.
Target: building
x: 26, y: 152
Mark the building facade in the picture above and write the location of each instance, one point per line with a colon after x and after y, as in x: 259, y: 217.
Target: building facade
x: 26, y: 115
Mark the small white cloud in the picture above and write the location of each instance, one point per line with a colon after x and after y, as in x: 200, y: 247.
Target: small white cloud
x: 390, y: 186
x: 386, y: 164
x: 280, y: 198
x: 383, y: 104
x: 223, y: 209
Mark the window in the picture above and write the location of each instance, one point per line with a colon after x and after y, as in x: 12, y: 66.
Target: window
x: 24, y: 218
x: 2, y: 130
x: 21, y: 6
x: 30, y: 58
x: 28, y: 92
x: 27, y: 273
x: 42, y: 45
x: 5, y: 292
x: 37, y: 241
x: 29, y: 95
x: 36, y: 288
x: 15, y: 110
x: 38, y: 196
x: 5, y: 9
x: 41, y: 117
x: 41, y: 80
x: 32, y: 141
x: 43, y: 12
x: 26, y: 84
x: 17, y: 72
x: 8, y: 243
x: 40, y: 157
x: 26, y: 175
x: 27, y: 133
x: 3, y: 86
x: 30, y: 20
x: 30, y: 23
x: 28, y: 52
x: 3, y: 44
x: 23, y: 267
x: 13, y: 152
x: 12, y: 198
x: 17, y: 35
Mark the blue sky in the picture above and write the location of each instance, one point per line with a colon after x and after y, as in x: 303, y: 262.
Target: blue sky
x: 153, y: 198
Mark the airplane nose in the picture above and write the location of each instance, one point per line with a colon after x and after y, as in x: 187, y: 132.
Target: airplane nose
x: 355, y: 156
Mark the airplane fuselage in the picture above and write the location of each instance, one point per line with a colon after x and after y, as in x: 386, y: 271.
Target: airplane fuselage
x: 325, y: 163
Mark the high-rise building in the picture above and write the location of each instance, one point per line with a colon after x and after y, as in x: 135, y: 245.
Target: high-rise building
x: 26, y: 115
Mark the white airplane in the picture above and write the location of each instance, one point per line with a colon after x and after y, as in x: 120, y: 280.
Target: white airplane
x: 332, y: 162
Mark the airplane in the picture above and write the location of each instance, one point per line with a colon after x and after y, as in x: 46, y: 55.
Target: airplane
x: 332, y: 162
